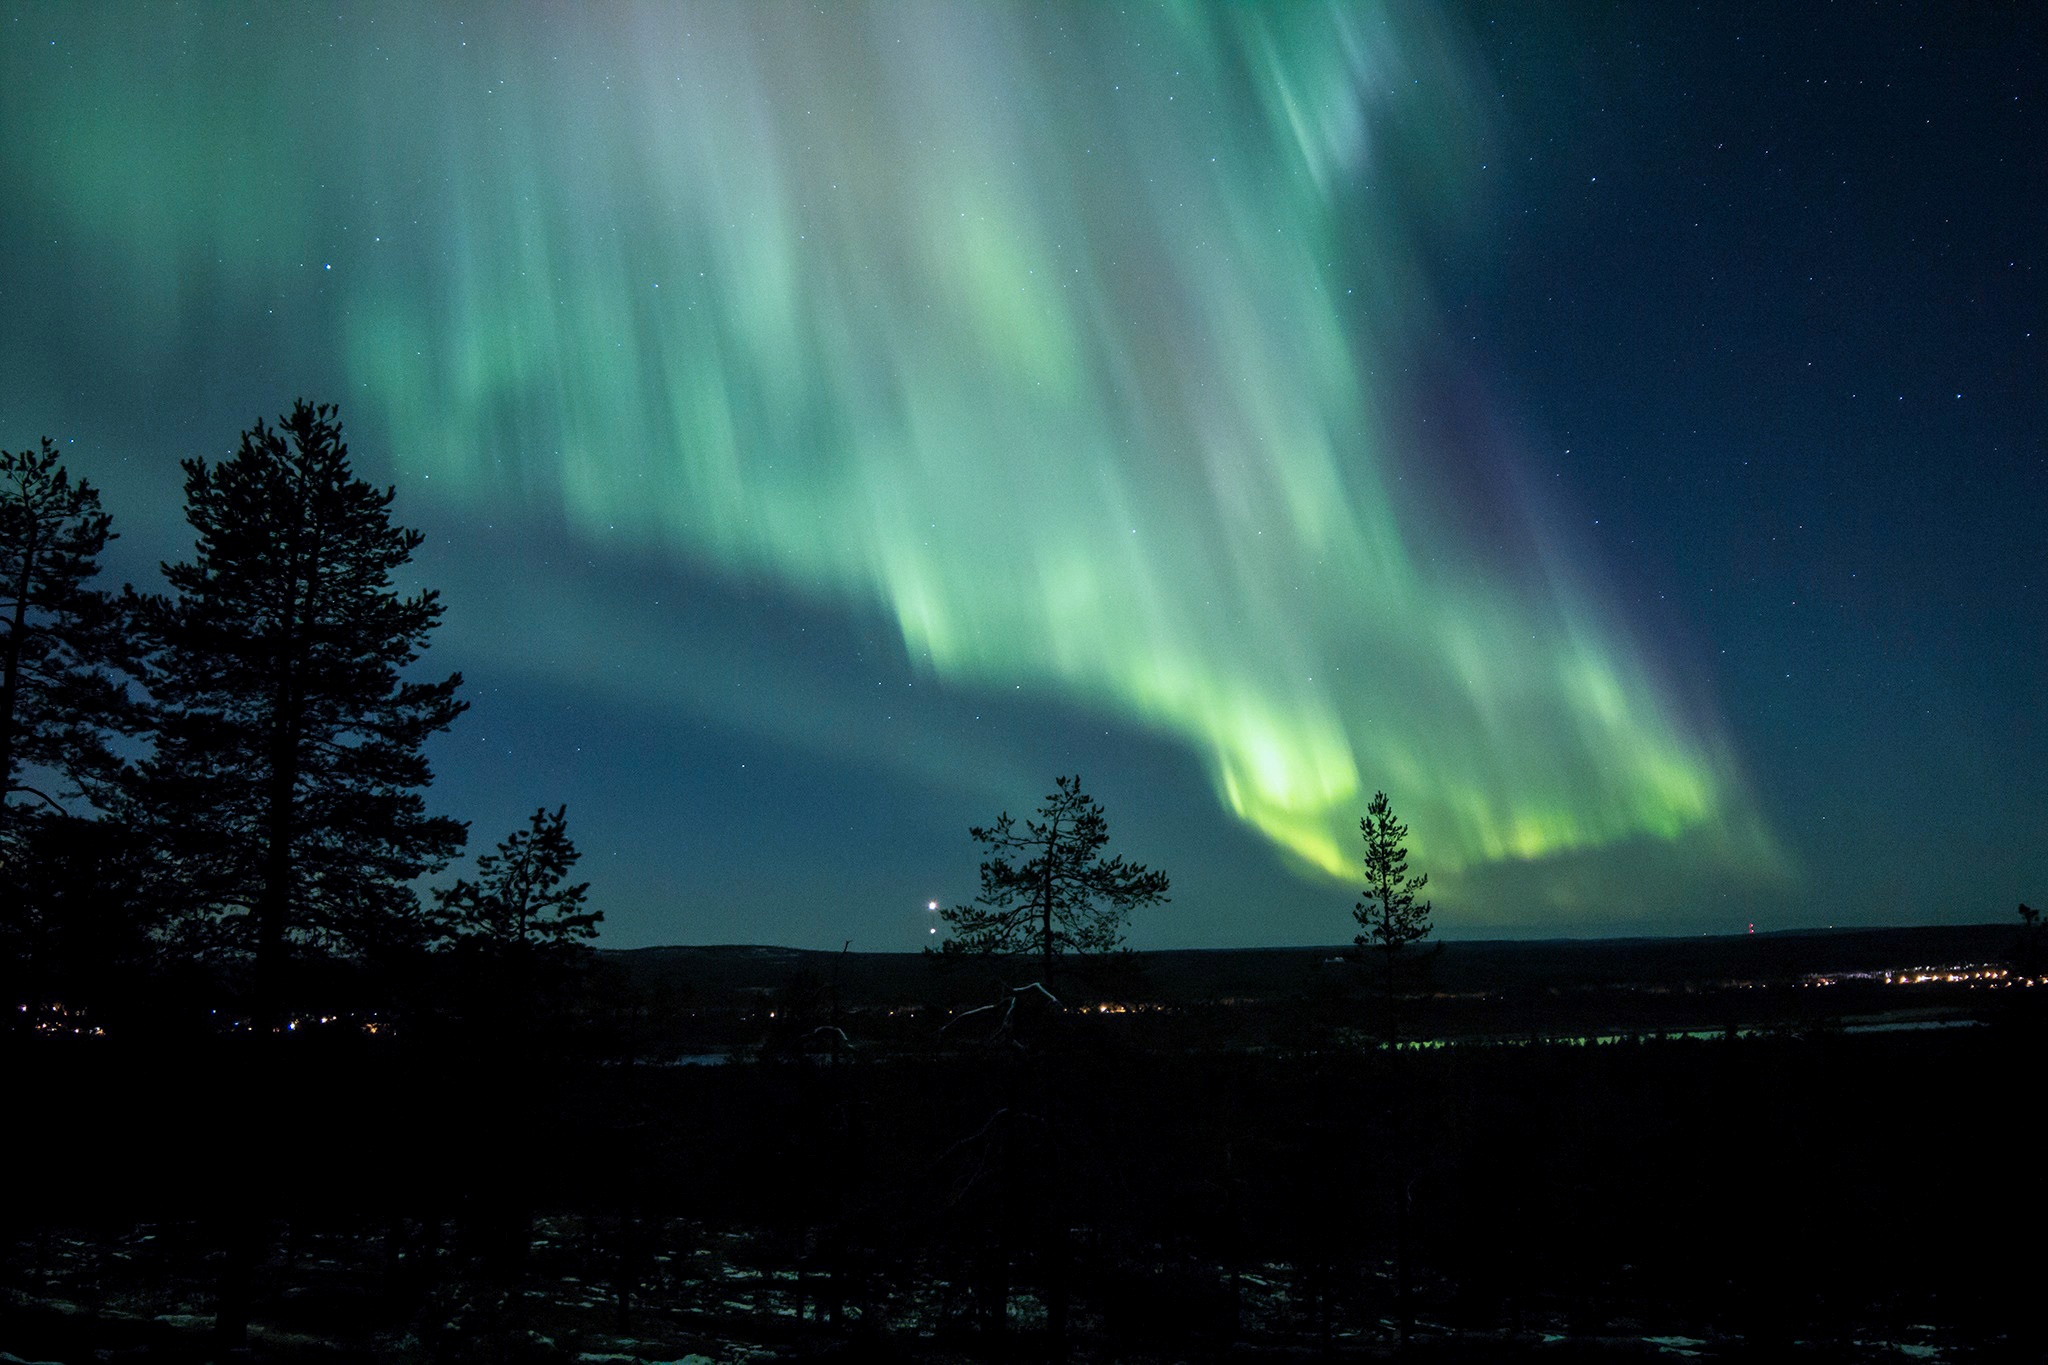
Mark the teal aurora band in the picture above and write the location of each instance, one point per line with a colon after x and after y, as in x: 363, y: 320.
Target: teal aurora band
x: 1081, y: 341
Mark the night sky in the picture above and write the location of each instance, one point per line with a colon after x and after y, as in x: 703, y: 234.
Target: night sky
x: 1617, y: 434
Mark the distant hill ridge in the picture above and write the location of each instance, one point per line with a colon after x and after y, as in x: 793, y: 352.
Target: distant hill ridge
x: 1190, y: 974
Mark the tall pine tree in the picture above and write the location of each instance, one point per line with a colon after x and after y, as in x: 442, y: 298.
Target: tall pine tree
x: 60, y: 638
x: 65, y: 923
x: 286, y: 780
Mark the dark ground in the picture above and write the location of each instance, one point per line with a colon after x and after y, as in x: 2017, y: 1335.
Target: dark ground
x: 1228, y: 1167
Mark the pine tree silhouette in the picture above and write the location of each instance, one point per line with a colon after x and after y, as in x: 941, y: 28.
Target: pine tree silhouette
x: 61, y: 695
x: 285, y: 786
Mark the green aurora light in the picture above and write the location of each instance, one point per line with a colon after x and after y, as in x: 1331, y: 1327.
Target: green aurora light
x: 1077, y: 340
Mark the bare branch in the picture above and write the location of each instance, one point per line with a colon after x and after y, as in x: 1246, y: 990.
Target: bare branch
x: 49, y: 800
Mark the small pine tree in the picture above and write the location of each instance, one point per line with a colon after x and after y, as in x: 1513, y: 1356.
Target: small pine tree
x: 517, y: 936
x: 1389, y: 918
x: 1062, y: 897
x: 522, y: 902
x: 2026, y: 949
x: 1046, y: 890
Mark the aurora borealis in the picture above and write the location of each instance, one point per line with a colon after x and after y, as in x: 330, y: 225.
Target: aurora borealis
x: 1106, y: 357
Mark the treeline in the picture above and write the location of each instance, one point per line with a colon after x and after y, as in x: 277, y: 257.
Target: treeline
x: 215, y: 814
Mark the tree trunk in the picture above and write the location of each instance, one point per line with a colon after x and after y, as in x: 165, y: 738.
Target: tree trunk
x: 274, y: 901
x: 10, y: 670
x: 1045, y: 912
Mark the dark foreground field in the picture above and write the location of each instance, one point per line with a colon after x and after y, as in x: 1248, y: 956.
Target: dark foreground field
x: 1243, y: 1178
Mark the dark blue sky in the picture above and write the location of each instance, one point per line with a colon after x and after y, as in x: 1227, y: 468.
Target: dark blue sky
x: 1617, y: 433
x: 1769, y: 277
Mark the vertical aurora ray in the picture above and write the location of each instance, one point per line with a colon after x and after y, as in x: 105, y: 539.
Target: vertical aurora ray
x: 1075, y: 339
